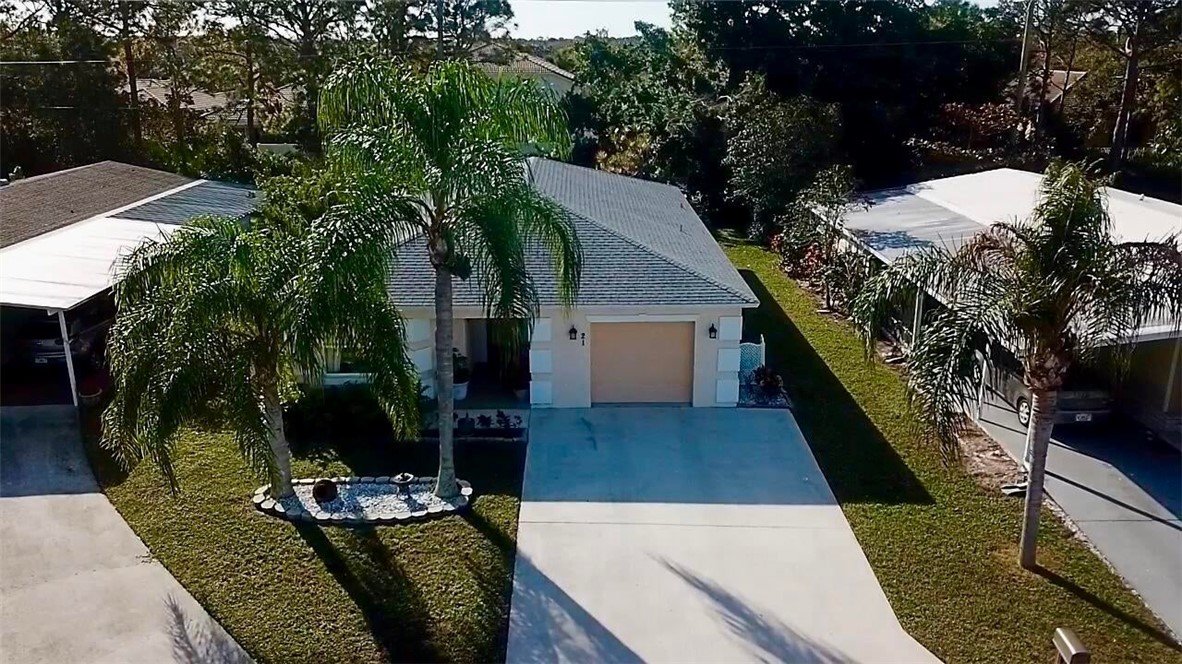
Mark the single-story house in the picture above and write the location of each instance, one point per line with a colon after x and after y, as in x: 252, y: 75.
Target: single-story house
x: 219, y: 107
x: 60, y: 237
x: 949, y: 211
x: 658, y: 317
x: 497, y: 62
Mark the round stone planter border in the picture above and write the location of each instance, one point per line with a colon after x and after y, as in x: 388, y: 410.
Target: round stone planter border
x: 293, y: 509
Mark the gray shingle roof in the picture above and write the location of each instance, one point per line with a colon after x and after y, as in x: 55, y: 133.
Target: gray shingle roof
x: 642, y: 243
x: 40, y: 204
x: 207, y: 198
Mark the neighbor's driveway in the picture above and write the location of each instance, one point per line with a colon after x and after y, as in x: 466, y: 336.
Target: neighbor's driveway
x: 1125, y: 494
x: 76, y: 584
x: 689, y: 535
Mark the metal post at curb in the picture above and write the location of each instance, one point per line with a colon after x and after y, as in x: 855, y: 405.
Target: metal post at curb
x: 1069, y: 649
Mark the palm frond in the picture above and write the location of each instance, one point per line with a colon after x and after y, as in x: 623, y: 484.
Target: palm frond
x: 181, y: 338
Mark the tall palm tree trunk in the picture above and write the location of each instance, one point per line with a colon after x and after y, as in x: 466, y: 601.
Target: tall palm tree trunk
x: 252, y: 135
x: 1128, y: 102
x: 1038, y: 438
x: 133, y: 98
x: 445, y: 486
x: 273, y: 411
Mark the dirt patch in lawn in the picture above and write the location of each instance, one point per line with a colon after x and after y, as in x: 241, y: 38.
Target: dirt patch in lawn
x: 984, y: 459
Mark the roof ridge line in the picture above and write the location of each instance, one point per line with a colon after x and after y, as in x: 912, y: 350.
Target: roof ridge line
x: 51, y: 174
x: 644, y: 247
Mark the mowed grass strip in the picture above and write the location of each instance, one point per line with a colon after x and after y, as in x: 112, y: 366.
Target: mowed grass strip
x: 943, y: 548
x: 432, y: 591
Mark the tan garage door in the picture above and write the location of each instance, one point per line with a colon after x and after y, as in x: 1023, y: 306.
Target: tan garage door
x: 642, y: 362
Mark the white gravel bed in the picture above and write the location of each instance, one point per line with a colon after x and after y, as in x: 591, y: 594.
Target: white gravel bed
x: 363, y: 500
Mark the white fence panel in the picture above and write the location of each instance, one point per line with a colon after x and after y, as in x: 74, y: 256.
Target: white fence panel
x: 751, y: 355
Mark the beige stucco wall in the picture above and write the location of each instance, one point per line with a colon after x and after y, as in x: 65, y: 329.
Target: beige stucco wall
x: 569, y: 379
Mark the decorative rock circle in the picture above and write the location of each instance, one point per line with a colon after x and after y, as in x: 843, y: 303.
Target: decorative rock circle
x: 352, y: 501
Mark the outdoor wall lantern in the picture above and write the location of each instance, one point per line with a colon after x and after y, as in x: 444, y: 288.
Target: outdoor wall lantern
x: 574, y: 334
x: 713, y: 331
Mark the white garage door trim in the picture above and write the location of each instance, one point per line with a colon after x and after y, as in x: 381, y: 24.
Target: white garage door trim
x: 645, y: 318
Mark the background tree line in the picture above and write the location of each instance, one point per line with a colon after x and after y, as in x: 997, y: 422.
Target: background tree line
x: 742, y: 104
x: 739, y: 104
x: 74, y: 72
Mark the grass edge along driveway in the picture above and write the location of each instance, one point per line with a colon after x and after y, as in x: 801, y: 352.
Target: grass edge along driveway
x: 943, y: 548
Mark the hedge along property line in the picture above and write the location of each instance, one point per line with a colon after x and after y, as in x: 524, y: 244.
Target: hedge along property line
x: 943, y: 548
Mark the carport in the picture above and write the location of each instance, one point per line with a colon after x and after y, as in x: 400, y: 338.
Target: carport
x: 65, y: 232
x: 949, y: 212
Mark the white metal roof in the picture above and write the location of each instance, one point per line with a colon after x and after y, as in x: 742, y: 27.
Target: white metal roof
x: 1006, y: 194
x: 950, y: 211
x: 63, y: 268
x: 67, y: 266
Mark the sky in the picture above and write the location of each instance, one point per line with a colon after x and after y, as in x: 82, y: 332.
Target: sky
x: 571, y: 18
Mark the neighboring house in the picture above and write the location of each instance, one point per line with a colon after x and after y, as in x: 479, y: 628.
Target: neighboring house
x: 948, y: 211
x: 216, y: 106
x: 658, y: 317
x: 1061, y: 81
x: 498, y: 62
x: 62, y: 233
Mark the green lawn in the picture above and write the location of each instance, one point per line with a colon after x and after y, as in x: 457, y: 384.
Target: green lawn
x: 944, y: 550
x: 432, y: 591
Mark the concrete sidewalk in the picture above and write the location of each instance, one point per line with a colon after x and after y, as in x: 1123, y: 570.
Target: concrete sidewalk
x: 689, y: 535
x: 1123, y: 491
x: 76, y: 584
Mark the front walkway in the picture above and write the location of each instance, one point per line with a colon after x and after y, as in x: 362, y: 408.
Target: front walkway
x: 76, y: 584
x: 1125, y: 494
x: 689, y: 535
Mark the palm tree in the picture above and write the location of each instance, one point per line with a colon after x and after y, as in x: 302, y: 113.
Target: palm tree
x: 1053, y: 289
x: 443, y: 155
x: 216, y: 322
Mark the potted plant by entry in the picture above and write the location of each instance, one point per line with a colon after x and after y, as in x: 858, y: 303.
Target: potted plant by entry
x: 91, y: 388
x: 461, y: 373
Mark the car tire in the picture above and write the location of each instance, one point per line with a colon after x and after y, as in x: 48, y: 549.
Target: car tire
x: 1023, y: 407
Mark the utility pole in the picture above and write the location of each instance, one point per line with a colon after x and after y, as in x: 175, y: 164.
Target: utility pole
x: 439, y: 27
x: 1020, y: 95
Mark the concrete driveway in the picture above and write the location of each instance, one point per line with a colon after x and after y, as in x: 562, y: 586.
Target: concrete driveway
x: 76, y: 584
x: 1125, y: 494
x: 689, y: 535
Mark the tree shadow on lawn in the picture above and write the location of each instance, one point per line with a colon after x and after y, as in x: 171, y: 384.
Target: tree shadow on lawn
x: 1107, y: 607
x: 858, y: 462
x: 495, y: 582
x: 366, y: 569
x: 392, y: 605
